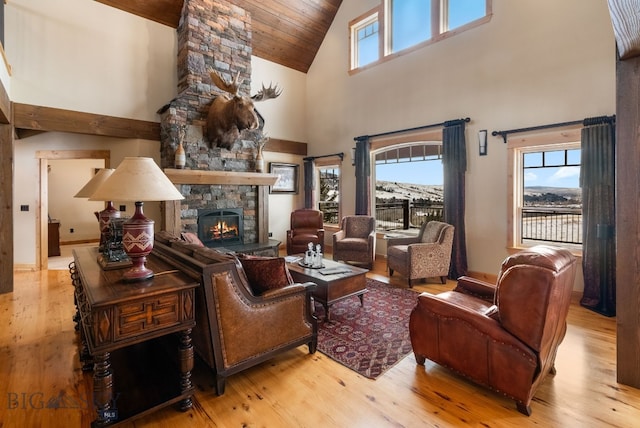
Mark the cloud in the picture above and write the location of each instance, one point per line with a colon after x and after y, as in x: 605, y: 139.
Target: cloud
x: 564, y: 173
x: 530, y: 176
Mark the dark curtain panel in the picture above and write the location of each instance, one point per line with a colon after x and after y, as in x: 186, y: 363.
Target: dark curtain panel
x: 597, y: 179
x: 363, y: 177
x: 454, y: 159
x: 309, y: 167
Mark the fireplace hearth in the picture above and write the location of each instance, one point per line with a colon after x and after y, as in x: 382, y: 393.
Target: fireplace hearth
x: 220, y: 227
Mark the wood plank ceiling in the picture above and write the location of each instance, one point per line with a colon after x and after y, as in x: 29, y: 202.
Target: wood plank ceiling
x: 287, y: 32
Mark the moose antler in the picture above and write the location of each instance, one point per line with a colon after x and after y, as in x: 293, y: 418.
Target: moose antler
x: 267, y: 93
x: 221, y: 82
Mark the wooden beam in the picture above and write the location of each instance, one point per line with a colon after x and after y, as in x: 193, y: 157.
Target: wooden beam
x: 199, y: 176
x: 625, y: 17
x: 6, y: 209
x: 286, y: 146
x: 38, y: 118
x: 627, y: 221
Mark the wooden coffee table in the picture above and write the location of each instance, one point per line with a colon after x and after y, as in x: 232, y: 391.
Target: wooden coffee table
x: 336, y: 281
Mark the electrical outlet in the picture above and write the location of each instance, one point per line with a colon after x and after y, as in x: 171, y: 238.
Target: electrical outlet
x: 71, y: 230
x: 24, y: 207
x: 123, y: 208
x: 270, y: 234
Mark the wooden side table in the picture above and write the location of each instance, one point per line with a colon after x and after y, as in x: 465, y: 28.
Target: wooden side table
x: 126, y: 329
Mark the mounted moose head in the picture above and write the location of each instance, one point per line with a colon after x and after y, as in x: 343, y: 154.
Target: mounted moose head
x: 230, y: 115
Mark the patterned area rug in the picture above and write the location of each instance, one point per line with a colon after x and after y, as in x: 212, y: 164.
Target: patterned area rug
x: 368, y: 339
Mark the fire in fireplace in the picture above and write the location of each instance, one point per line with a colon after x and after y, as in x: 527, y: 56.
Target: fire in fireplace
x: 220, y: 227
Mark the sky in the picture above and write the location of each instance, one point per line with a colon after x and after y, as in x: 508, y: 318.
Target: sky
x: 424, y: 172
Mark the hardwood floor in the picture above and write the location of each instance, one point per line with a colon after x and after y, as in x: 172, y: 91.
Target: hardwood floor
x: 42, y: 384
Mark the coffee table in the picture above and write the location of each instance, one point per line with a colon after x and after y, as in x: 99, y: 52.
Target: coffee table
x: 336, y: 281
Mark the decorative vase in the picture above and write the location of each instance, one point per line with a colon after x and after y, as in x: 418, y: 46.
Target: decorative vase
x: 259, y: 162
x: 180, y: 158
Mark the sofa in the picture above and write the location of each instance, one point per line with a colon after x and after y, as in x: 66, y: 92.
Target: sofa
x: 244, y: 316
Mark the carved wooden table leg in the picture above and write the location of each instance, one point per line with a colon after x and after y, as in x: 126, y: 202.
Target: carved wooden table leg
x: 186, y: 365
x: 102, y: 389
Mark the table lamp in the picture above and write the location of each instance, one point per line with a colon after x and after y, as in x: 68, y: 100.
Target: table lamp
x: 137, y: 179
x: 104, y: 216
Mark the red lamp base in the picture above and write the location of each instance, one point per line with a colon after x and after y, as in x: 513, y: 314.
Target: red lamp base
x: 137, y: 240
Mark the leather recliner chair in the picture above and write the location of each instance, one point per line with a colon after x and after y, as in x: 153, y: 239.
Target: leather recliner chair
x: 504, y: 336
x: 306, y: 226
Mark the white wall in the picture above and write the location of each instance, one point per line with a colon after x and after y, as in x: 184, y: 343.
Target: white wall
x: 534, y: 63
x: 76, y: 215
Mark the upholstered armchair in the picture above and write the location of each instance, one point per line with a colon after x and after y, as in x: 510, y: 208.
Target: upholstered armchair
x: 307, y: 226
x: 424, y: 256
x: 250, y: 323
x: 503, y: 336
x: 356, y: 240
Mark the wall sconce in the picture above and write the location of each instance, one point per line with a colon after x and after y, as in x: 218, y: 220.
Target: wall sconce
x: 353, y: 156
x: 482, y: 142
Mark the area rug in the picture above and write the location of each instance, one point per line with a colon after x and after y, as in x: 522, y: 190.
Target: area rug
x: 368, y: 339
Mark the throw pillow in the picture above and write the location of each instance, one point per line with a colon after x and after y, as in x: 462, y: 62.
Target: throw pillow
x: 266, y: 273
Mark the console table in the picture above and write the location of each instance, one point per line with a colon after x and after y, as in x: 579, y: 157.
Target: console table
x: 126, y: 330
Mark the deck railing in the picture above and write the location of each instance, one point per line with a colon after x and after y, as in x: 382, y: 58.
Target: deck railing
x: 406, y: 214
x: 563, y: 225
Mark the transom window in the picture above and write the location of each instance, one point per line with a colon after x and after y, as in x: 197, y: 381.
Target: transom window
x: 397, y: 25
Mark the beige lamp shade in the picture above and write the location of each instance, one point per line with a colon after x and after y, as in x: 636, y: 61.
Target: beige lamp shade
x: 137, y: 179
x: 95, y: 182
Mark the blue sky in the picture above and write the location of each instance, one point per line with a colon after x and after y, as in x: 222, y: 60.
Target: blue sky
x: 430, y: 172
x: 426, y: 172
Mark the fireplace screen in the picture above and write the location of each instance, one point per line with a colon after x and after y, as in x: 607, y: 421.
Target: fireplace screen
x: 220, y: 227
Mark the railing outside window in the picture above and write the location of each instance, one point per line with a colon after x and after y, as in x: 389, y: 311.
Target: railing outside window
x: 405, y: 214
x: 329, y: 212
x: 561, y: 225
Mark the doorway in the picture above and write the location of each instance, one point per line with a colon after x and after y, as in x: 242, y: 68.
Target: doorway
x: 42, y: 215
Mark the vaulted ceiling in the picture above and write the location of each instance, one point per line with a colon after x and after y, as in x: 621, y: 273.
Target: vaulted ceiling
x: 287, y: 32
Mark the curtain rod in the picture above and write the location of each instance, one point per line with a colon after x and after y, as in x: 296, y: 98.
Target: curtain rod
x: 341, y: 154
x: 586, y: 122
x: 417, y: 128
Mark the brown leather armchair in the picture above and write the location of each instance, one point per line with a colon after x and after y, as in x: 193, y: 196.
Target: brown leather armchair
x: 504, y: 336
x: 246, y: 329
x: 307, y: 226
x: 424, y: 256
x: 356, y: 240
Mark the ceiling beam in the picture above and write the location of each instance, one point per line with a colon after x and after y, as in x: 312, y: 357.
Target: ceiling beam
x: 38, y: 118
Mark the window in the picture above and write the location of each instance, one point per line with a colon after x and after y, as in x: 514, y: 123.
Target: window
x: 547, y: 199
x: 329, y: 193
x: 401, y: 24
x: 408, y: 185
x: 365, y: 46
x: 410, y: 23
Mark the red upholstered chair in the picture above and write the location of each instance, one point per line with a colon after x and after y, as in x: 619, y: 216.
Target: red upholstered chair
x: 306, y: 226
x: 356, y: 240
x: 504, y: 336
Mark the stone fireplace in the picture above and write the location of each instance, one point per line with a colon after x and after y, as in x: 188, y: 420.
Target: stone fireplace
x: 212, y: 35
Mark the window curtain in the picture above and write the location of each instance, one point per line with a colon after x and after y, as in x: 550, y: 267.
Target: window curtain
x: 363, y: 177
x: 454, y: 159
x: 309, y: 168
x: 597, y: 180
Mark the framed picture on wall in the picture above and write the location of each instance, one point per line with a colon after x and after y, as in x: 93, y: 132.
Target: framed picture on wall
x: 287, y: 181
